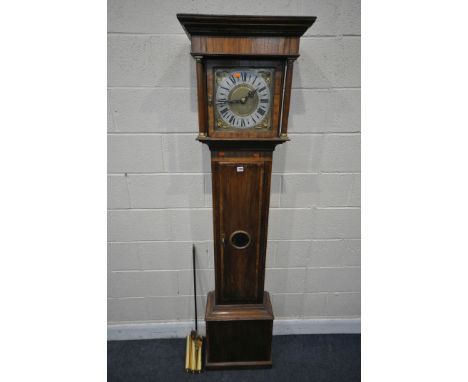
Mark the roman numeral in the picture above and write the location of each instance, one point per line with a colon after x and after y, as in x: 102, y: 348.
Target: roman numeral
x: 264, y: 100
x: 222, y: 87
x: 262, y: 89
x: 242, y: 123
x: 261, y: 111
x: 233, y: 80
x: 231, y: 119
x: 244, y: 76
x: 224, y: 111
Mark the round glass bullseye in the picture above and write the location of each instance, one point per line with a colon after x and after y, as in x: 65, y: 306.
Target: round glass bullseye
x: 240, y: 239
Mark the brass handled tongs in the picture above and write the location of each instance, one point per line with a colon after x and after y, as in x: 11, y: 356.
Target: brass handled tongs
x: 193, y: 351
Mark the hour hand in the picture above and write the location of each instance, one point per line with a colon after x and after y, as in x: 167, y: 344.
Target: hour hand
x: 251, y: 93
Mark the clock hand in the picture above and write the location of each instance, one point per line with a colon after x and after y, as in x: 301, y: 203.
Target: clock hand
x: 251, y: 93
x: 241, y: 100
x: 229, y: 101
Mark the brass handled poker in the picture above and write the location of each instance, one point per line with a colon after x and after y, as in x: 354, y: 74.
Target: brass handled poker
x: 193, y: 350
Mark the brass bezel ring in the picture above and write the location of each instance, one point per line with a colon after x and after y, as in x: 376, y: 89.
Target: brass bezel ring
x: 240, y: 232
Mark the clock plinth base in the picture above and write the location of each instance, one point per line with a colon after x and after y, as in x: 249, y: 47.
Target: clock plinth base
x: 238, y: 336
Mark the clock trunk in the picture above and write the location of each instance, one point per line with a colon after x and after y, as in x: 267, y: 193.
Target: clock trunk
x: 241, y: 198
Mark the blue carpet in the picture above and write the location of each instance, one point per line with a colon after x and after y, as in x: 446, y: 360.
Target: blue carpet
x: 324, y: 357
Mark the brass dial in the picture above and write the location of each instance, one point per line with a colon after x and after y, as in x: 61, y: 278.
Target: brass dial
x: 243, y: 98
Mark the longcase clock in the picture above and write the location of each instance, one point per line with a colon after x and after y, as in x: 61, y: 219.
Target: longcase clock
x: 244, y: 67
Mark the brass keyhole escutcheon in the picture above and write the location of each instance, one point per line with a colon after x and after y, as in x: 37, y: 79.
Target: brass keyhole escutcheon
x: 240, y: 239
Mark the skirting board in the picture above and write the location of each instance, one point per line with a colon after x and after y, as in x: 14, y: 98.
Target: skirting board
x: 119, y: 332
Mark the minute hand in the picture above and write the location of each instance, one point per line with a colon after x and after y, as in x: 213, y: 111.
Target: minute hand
x: 230, y: 101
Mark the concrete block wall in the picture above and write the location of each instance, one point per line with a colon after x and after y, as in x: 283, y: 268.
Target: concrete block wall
x: 159, y: 185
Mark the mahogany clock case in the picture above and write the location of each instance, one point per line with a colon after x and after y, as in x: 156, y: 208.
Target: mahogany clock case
x: 239, y: 315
